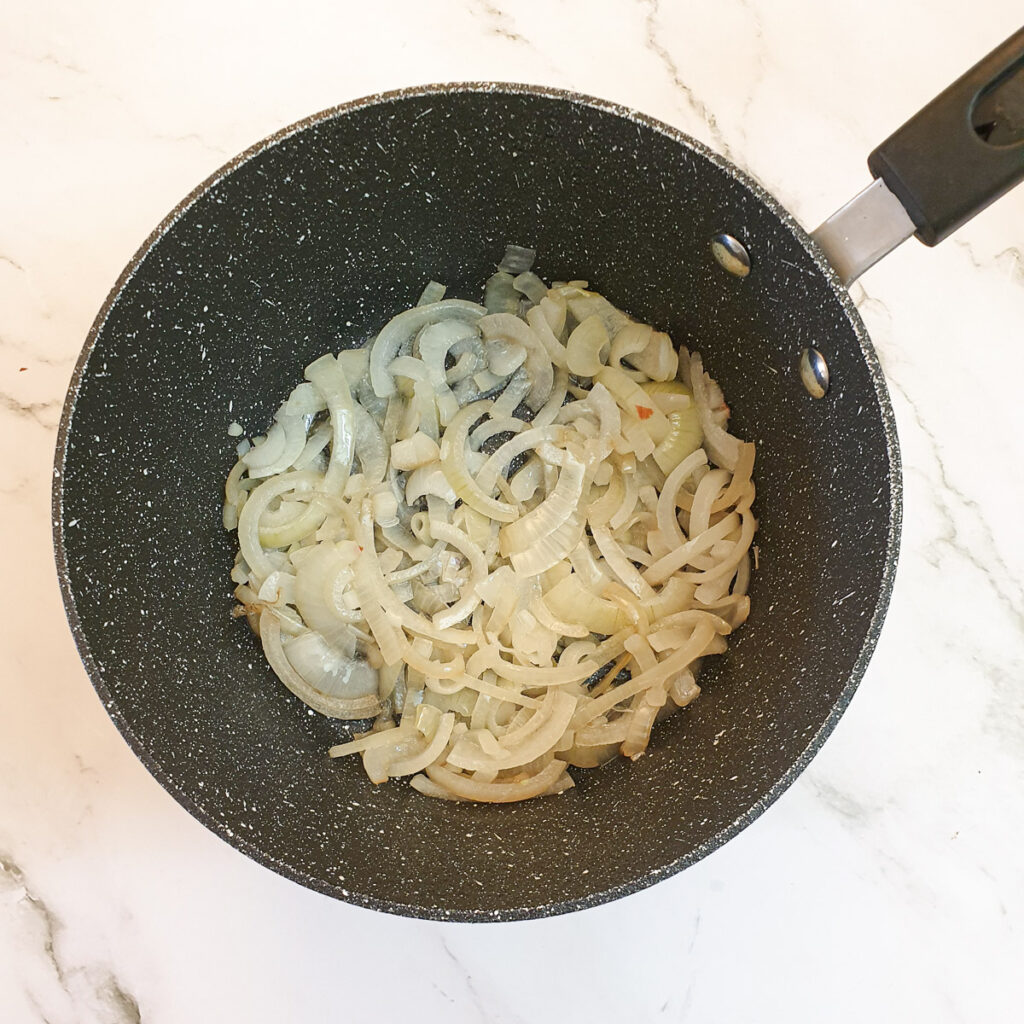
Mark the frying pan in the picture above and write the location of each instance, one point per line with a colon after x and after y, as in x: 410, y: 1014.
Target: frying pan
x: 308, y: 242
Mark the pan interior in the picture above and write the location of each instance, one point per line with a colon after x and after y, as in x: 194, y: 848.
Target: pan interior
x: 310, y: 244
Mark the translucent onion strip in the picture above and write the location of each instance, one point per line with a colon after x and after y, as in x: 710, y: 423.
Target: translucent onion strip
x: 511, y: 570
x: 497, y: 792
x: 453, y: 463
x: 400, y: 331
x: 346, y: 709
x: 258, y: 502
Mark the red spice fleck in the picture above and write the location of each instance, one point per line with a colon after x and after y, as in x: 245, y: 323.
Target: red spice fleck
x: 643, y: 412
x: 22, y: 369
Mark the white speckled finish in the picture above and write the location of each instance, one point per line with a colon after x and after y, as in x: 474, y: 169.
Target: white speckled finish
x: 895, y: 852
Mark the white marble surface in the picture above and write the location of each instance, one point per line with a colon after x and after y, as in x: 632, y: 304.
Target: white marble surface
x: 886, y: 885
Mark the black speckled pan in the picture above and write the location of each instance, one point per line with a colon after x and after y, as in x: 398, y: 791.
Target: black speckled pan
x: 310, y: 241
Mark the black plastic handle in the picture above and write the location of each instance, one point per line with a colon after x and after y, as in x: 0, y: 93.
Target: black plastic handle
x: 962, y: 151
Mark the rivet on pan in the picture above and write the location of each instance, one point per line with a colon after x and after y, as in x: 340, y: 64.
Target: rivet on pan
x: 731, y: 254
x: 814, y: 372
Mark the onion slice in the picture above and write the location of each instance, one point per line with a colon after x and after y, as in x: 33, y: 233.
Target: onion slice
x: 507, y: 532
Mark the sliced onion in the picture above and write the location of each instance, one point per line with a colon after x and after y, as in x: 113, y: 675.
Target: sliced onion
x: 355, y: 364
x: 630, y: 340
x: 572, y: 601
x: 671, y: 563
x: 710, y: 486
x: 500, y: 295
x: 328, y: 670
x: 489, y: 428
x: 541, y: 327
x: 729, y: 564
x: 413, y: 452
x: 515, y: 391
x: 329, y: 379
x: 587, y: 348
x: 496, y: 464
x: 634, y: 401
x: 665, y: 670
x: 722, y: 448
x: 583, y: 304
x: 345, y: 708
x: 369, y: 446
x: 658, y: 359
x: 631, y: 494
x: 738, y: 488
x: 685, y: 435
x: 504, y: 357
x: 430, y: 788
x: 531, y: 286
x: 551, y: 549
x: 433, y: 292
x: 318, y: 440
x: 467, y: 788
x: 400, y: 331
x: 283, y: 444
x: 518, y: 259
x: 616, y: 560
x: 367, y: 741
x: 373, y: 591
x: 307, y: 520
x: 555, y: 309
x: 542, y: 732
x: 415, y: 762
x: 463, y: 608
x: 641, y: 722
x: 430, y: 479
x: 538, y: 363
x: 668, y: 524
x: 601, y: 510
x: 494, y: 709
x: 453, y: 463
x: 490, y: 658
x: 547, y: 517
x: 249, y: 518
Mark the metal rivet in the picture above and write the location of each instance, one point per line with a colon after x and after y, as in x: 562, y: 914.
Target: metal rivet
x: 731, y: 254
x: 814, y: 372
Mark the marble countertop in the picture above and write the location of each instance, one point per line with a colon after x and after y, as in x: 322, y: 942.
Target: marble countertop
x: 886, y: 884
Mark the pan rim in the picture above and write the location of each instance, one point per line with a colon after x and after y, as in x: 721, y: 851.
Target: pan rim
x: 606, y: 895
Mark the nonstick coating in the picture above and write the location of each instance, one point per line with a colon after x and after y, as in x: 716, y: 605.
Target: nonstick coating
x: 309, y: 242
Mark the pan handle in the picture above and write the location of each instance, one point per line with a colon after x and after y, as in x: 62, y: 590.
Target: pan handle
x: 961, y: 152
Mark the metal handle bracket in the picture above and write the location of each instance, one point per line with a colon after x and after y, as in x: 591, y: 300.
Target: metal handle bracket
x: 860, y: 233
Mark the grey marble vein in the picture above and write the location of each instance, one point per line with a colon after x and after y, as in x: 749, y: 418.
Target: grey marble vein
x: 1002, y: 673
x: 195, y: 138
x: 122, y: 1002
x: 467, y: 978
x: 78, y: 984
x: 1012, y: 258
x: 690, y: 98
x: 500, y: 22
x: 945, y: 495
x: 64, y: 65
x: 30, y: 410
x: 754, y: 16
x: 1015, y: 257
x: 847, y: 806
x: 18, y: 488
x: 41, y: 911
x: 33, y: 355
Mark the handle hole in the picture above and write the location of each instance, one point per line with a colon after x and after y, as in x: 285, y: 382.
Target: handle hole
x: 998, y: 113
